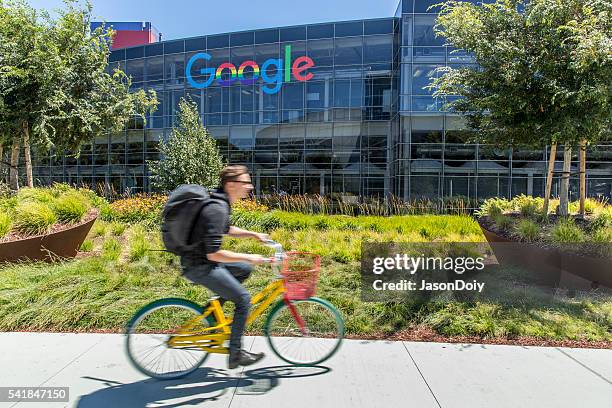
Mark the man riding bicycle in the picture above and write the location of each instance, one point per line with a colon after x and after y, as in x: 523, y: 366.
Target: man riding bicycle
x: 220, y: 270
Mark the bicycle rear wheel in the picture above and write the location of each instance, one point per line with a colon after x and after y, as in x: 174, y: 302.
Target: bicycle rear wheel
x: 147, y: 339
x: 324, y: 331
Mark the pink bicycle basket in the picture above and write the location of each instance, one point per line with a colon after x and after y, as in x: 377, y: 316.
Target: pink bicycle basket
x: 301, y: 273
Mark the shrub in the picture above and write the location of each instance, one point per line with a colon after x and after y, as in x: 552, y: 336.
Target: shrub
x: 602, y: 236
x: 493, y: 207
x: 139, y: 245
x: 39, y: 195
x: 603, y: 219
x: 5, y: 224
x: 527, y: 206
x: 566, y: 231
x: 87, y: 245
x: 70, y: 208
x: 502, y: 222
x: 249, y: 205
x: 527, y: 230
x: 33, y: 218
x: 140, y: 208
x: 111, y: 249
x: 98, y: 229
x: 118, y: 228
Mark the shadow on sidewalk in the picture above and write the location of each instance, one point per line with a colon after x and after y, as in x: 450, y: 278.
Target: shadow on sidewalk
x: 205, y: 384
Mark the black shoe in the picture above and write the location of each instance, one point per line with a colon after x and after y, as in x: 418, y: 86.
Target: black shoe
x: 243, y: 358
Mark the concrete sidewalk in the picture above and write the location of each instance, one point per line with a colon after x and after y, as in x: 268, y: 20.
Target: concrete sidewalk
x: 362, y: 374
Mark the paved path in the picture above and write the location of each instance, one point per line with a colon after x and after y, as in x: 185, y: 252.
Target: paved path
x: 363, y: 374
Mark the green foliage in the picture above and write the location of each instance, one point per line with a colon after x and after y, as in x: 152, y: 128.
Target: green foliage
x: 117, y: 228
x: 111, y: 249
x: 602, y: 220
x: 40, y: 195
x: 502, y: 222
x: 527, y: 230
x: 190, y: 156
x: 87, y: 246
x: 527, y: 206
x: 544, y: 69
x: 99, y: 229
x: 139, y: 244
x: 5, y: 224
x: 493, y: 207
x: 566, y: 231
x: 137, y: 209
x: 32, y: 218
x: 70, y: 208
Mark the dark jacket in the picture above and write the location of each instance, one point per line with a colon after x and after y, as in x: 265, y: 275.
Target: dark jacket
x: 212, y: 223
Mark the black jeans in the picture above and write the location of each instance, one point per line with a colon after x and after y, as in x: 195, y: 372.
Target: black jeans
x: 225, y: 280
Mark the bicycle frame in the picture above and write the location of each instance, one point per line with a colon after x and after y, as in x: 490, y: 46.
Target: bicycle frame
x: 213, y: 342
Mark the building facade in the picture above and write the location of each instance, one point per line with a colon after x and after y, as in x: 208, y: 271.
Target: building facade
x: 321, y: 108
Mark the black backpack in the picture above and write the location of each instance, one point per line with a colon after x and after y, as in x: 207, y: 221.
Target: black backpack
x: 180, y: 215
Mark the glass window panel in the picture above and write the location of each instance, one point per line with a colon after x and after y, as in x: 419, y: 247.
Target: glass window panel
x: 266, y: 36
x: 172, y: 47
x: 175, y: 68
x: 134, y: 52
x: 320, y: 31
x: 348, y: 51
x: 241, y: 137
x: 315, y: 94
x: 378, y: 48
x: 293, y: 33
x: 293, y: 95
x: 342, y: 93
x: 240, y: 54
x: 321, y: 52
x: 424, y: 186
x: 421, y: 6
x: 154, y: 49
x: 270, y: 101
x: 349, y: 29
x: 238, y: 39
x: 424, y: 32
x: 378, y: 26
x: 319, y: 136
x: 291, y: 136
x: 357, y: 96
x: 425, y: 104
x: 135, y: 69
x: 195, y: 44
x: 155, y: 68
x: 421, y: 77
x: 407, y: 30
x: 213, y: 100
x: 217, y: 41
x: 266, y: 137
x: 265, y: 52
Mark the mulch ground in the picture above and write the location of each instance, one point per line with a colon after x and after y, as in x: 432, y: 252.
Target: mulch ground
x: 425, y: 334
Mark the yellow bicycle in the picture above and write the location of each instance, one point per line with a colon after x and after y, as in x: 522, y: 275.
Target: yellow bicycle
x: 172, y: 337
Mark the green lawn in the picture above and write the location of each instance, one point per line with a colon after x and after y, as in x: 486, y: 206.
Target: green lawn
x: 116, y: 274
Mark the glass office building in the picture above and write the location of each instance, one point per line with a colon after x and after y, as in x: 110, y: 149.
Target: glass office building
x: 355, y: 119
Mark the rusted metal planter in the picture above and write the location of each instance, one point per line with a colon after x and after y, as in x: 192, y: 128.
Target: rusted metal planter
x: 51, y: 247
x: 552, y: 267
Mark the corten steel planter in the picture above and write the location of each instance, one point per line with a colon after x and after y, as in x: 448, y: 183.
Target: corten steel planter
x: 550, y: 264
x: 51, y: 247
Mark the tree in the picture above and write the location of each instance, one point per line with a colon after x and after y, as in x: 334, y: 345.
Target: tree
x: 543, y: 75
x: 190, y: 156
x: 54, y: 87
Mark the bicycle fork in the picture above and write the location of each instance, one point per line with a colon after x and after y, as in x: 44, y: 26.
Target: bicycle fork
x: 296, y: 316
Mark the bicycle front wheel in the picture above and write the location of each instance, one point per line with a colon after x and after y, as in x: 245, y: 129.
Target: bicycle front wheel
x: 147, y: 339
x: 319, y: 340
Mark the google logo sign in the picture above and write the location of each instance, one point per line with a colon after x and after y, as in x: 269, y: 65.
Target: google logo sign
x: 283, y: 69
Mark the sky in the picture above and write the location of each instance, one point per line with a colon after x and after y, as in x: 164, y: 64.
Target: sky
x: 191, y: 18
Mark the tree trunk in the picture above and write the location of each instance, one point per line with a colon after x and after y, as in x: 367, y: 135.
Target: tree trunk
x: 564, y: 194
x: 14, y: 173
x: 27, y: 155
x: 1, y: 160
x: 549, y: 177
x: 582, y: 176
